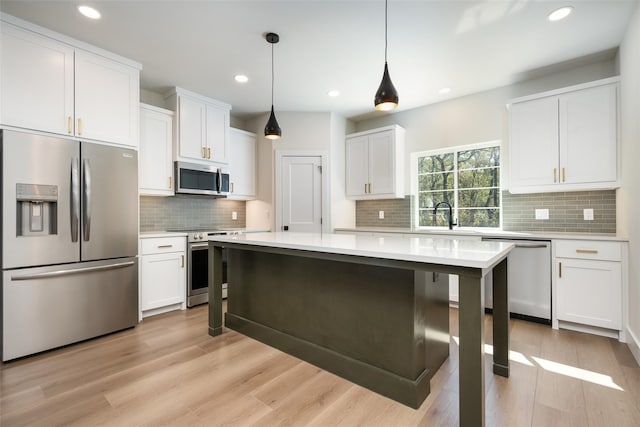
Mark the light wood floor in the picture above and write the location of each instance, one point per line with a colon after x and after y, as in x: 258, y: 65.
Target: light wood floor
x: 168, y: 371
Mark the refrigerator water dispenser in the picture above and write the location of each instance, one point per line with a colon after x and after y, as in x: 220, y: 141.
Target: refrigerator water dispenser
x: 37, y: 209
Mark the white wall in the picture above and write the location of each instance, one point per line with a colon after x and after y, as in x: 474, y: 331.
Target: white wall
x: 628, y: 197
x: 343, y: 211
x: 478, y: 117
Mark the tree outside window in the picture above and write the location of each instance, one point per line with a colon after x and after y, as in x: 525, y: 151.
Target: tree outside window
x: 468, y: 178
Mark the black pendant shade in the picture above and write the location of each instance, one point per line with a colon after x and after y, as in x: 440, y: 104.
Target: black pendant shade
x: 387, y: 96
x: 272, y: 129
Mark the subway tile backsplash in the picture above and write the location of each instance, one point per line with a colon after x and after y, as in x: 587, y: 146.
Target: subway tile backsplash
x: 190, y: 212
x: 518, y: 212
x: 566, y: 212
x: 397, y: 213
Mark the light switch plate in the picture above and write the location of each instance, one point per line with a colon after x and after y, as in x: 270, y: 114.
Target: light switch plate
x: 542, y: 213
x: 588, y: 214
x: 380, y: 214
x: 234, y: 215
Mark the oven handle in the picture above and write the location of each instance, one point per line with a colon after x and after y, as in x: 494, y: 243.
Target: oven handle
x: 199, y: 245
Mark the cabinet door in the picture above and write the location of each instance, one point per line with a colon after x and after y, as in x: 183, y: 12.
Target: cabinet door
x: 191, y: 128
x: 106, y: 100
x: 155, y: 169
x: 588, y: 135
x: 533, y: 143
x: 382, y: 162
x: 357, y: 165
x: 163, y: 280
x: 589, y: 292
x: 36, y: 85
x: 242, y: 164
x: 217, y: 134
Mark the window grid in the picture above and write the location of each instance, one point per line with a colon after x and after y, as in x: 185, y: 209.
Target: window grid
x: 424, y: 205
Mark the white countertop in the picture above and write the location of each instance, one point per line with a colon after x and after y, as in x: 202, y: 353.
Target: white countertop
x: 152, y: 234
x: 542, y: 235
x: 445, y: 250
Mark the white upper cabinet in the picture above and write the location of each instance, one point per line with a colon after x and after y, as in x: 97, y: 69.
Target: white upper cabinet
x: 155, y: 165
x: 51, y: 83
x: 106, y: 99
x: 36, y: 81
x: 565, y: 140
x: 374, y: 161
x: 202, y: 128
x: 242, y: 165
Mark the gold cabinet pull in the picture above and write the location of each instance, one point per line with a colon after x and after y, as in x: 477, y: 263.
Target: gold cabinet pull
x: 563, y: 175
x: 560, y: 269
x: 70, y: 124
x: 204, y: 152
x: 164, y: 246
x: 79, y: 126
x: 232, y: 187
x: 182, y: 261
x: 208, y: 152
x: 586, y: 251
x: 170, y: 182
x: 555, y: 173
x: 365, y: 188
x: 369, y: 188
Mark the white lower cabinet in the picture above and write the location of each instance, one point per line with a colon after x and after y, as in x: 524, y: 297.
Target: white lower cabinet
x: 162, y: 275
x: 589, y: 286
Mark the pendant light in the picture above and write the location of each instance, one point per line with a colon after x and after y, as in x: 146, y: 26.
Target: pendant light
x: 272, y: 129
x: 387, y: 96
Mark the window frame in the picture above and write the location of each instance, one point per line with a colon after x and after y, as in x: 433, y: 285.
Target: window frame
x: 415, y: 215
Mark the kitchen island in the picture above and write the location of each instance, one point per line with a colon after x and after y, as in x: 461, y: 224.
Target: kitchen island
x: 373, y: 310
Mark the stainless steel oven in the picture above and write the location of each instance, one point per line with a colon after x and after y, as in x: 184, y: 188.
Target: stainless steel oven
x: 198, y: 268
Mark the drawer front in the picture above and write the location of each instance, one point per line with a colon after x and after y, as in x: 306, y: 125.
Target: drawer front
x: 589, y: 249
x: 158, y: 245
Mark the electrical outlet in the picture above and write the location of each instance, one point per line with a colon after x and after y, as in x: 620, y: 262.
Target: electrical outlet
x: 542, y: 213
x: 588, y: 214
x: 380, y: 214
x: 234, y: 215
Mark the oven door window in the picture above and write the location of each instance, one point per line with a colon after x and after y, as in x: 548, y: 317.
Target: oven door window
x: 199, y: 270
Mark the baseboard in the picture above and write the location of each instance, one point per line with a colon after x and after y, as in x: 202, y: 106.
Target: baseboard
x: 634, y: 344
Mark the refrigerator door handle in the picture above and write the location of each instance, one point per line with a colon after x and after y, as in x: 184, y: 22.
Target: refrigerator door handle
x: 75, y: 199
x: 86, y: 205
x: 58, y: 273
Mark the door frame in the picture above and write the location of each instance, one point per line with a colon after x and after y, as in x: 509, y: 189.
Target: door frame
x: 324, y: 156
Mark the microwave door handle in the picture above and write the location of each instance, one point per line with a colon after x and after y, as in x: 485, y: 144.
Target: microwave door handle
x: 86, y: 211
x: 75, y: 199
x: 219, y: 180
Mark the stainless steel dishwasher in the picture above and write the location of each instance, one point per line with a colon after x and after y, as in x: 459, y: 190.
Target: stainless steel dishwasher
x: 529, y: 279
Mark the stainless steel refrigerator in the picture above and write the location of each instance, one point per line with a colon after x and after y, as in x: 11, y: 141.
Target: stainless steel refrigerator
x: 69, y: 241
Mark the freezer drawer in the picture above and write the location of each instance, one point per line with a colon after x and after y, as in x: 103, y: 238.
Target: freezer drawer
x: 48, y: 307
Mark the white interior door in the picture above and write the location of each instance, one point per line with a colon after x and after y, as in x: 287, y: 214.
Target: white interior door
x: 302, y: 193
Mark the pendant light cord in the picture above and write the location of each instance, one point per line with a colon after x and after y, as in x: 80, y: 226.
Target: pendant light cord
x: 385, y: 31
x: 272, y: 78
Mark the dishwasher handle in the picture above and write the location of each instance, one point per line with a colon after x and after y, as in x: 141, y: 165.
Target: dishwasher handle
x: 531, y: 245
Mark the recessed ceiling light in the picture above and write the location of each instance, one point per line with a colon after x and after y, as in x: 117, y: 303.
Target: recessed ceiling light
x: 444, y: 90
x: 89, y: 12
x: 241, y: 78
x: 333, y: 93
x: 561, y: 13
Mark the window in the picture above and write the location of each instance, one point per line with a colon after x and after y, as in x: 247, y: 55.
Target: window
x: 468, y: 178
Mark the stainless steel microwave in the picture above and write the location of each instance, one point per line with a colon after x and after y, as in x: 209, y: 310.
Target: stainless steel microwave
x: 193, y: 178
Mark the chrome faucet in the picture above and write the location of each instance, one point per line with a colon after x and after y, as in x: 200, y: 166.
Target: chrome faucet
x: 435, y: 211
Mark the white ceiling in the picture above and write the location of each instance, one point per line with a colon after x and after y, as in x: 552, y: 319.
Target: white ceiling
x: 469, y: 46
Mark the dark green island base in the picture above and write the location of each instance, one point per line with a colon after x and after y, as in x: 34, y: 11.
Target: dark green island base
x: 380, y: 323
